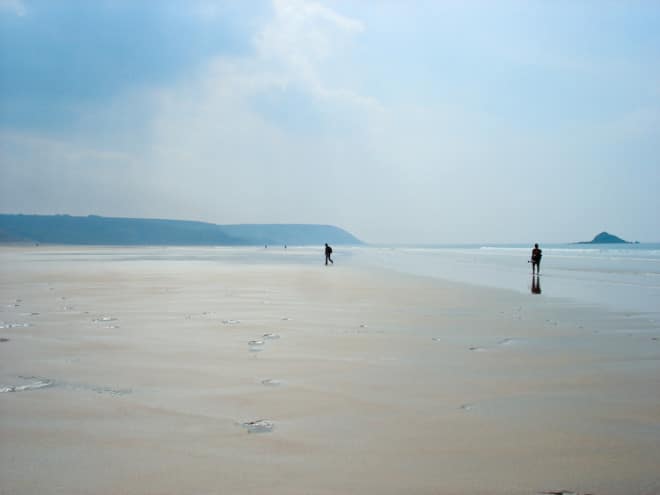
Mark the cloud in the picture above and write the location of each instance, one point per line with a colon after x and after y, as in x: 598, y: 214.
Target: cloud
x: 303, y: 32
x: 266, y: 137
x: 279, y: 134
x: 302, y: 36
x: 212, y: 148
x: 14, y: 6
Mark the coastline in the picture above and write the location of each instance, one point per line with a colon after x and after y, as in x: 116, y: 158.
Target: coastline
x: 372, y: 382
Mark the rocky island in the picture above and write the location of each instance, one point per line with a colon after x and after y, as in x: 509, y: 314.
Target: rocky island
x: 606, y: 238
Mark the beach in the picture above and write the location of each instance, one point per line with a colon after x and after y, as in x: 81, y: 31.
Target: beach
x: 201, y: 371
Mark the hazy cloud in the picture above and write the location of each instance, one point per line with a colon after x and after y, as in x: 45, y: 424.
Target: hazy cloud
x: 15, y: 6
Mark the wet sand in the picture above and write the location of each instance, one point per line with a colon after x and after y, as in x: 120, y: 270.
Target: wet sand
x: 204, y: 377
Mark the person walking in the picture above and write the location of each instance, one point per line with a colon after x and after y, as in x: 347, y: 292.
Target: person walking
x: 536, y: 259
x: 328, y: 252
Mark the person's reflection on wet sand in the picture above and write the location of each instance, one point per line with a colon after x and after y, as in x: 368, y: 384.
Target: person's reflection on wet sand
x: 536, y: 284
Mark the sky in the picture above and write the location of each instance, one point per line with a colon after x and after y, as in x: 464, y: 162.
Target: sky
x: 421, y: 122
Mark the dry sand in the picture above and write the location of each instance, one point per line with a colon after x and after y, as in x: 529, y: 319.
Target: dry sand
x: 137, y: 377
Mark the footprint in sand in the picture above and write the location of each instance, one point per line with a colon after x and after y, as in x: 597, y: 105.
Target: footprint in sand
x: 271, y: 382
x: 258, y: 426
x: 34, y: 384
x: 256, y: 345
x: 477, y: 349
x: 104, y: 319
x: 14, y: 325
x: 502, y: 343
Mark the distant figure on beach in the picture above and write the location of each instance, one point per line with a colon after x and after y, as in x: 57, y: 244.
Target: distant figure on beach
x: 536, y: 259
x: 536, y: 284
x: 328, y: 252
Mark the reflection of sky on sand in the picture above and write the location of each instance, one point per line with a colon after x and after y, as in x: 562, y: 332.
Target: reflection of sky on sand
x: 623, y: 279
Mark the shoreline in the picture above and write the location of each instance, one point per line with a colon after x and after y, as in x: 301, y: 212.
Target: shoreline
x: 152, y: 377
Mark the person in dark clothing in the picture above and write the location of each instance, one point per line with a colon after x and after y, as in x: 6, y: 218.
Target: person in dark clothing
x: 328, y: 252
x: 536, y: 259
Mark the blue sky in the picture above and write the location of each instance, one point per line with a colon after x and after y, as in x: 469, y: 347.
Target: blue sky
x: 424, y: 121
